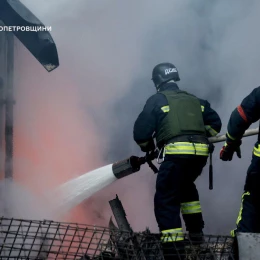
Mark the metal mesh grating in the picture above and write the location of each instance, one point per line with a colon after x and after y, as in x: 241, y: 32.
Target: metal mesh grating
x: 30, y: 239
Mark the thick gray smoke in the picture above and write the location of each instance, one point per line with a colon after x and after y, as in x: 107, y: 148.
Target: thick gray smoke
x: 107, y: 51
x: 18, y: 203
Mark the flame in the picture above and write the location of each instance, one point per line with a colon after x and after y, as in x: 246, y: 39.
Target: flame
x: 54, y: 139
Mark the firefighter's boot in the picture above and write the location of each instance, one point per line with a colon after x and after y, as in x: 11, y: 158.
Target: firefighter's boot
x: 197, y: 238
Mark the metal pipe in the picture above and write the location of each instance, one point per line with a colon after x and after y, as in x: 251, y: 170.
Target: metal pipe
x: 9, y: 103
x: 221, y: 138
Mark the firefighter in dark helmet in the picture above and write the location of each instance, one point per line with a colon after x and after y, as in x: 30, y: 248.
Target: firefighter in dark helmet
x: 181, y: 124
x: 241, y: 118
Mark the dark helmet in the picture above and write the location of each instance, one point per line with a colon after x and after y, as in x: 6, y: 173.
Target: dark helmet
x: 163, y: 73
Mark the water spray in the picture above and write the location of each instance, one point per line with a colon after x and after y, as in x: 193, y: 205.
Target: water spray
x: 75, y: 191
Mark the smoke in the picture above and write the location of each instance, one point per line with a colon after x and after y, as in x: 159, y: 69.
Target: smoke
x: 19, y: 207
x: 81, y: 115
x: 13, y: 194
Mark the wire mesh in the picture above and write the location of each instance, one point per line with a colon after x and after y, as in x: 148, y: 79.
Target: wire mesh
x: 31, y: 239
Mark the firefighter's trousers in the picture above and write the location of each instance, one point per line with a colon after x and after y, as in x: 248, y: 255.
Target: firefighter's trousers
x: 249, y: 213
x: 176, y: 192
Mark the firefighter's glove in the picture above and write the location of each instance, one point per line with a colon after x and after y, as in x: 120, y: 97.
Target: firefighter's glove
x: 136, y: 162
x: 150, y: 156
x: 228, y: 150
x: 147, y: 146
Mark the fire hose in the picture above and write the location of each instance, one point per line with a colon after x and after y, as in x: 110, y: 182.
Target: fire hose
x: 133, y: 164
x: 84, y: 186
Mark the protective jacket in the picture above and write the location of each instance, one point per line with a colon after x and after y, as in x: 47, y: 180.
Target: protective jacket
x: 151, y: 122
x: 243, y: 116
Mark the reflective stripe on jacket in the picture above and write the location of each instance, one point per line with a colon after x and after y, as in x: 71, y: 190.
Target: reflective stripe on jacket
x: 187, y: 148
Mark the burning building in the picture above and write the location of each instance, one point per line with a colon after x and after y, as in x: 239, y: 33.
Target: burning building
x: 48, y: 239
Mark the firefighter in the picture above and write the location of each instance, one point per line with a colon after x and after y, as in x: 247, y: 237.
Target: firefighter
x: 241, y: 118
x: 181, y: 123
